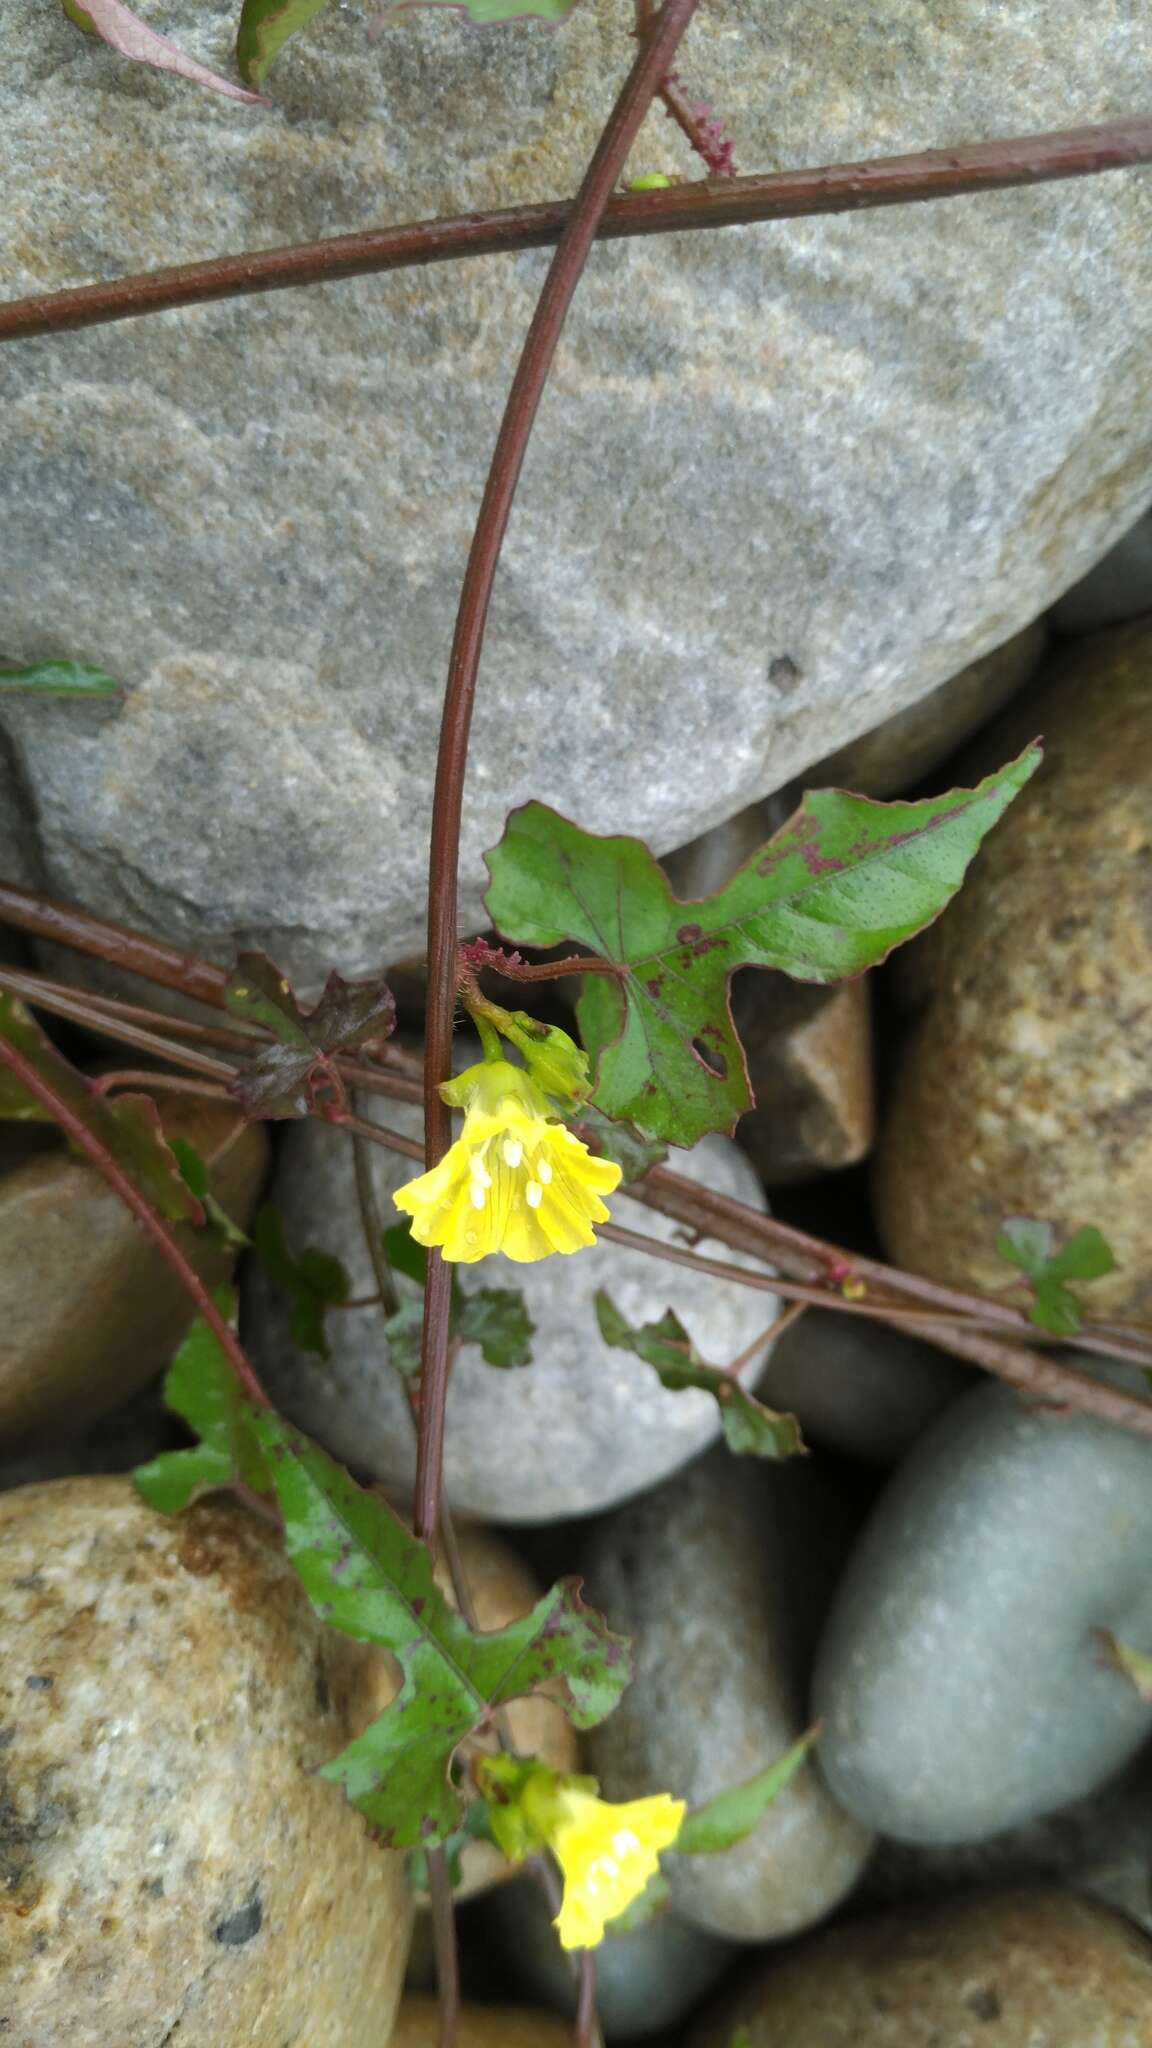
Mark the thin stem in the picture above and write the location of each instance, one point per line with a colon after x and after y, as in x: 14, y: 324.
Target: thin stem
x: 372, y: 1224
x: 444, y: 1942
x: 651, y: 64
x: 587, y: 2029
x: 721, y: 203
x: 85, y: 1141
x: 76, y: 1010
x: 178, y: 1084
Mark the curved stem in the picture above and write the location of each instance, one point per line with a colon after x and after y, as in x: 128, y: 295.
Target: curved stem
x: 652, y: 62
x: 727, y: 202
x: 154, y: 1225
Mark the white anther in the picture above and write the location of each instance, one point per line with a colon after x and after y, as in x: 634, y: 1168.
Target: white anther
x: 543, y: 1171
x: 533, y: 1194
x: 513, y: 1151
x: 624, y: 1840
x: 480, y: 1174
x: 479, y: 1196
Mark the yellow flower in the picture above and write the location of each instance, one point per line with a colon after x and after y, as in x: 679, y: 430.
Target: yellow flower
x: 607, y: 1854
x: 514, y: 1181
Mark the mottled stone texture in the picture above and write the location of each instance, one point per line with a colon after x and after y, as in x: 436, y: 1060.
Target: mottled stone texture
x: 172, y: 1867
x: 785, y: 480
x: 1023, y: 1970
x: 1025, y: 1089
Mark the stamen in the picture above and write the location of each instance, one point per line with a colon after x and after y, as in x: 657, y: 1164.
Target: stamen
x: 533, y: 1194
x: 513, y: 1152
x: 480, y: 1174
x: 543, y: 1171
x: 479, y: 1195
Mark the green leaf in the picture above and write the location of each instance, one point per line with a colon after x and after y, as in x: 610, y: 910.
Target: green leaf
x: 405, y: 1334
x: 483, y: 13
x: 314, y: 1281
x: 831, y: 894
x: 290, y: 1077
x: 749, y: 1427
x: 497, y: 1320
x: 1134, y: 1665
x: 218, y: 1228
x: 366, y: 1575
x: 201, y: 1388
x: 1030, y: 1244
x: 476, y: 1828
x: 59, y: 679
x: 265, y: 26
x: 733, y: 1814
x: 634, y: 1155
x: 128, y: 1126
x: 123, y: 31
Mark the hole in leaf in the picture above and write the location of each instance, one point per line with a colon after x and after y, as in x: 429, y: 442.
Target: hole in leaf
x: 709, y: 1056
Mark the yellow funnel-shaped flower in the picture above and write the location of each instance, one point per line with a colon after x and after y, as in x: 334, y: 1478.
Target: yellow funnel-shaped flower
x: 608, y: 1854
x: 514, y: 1182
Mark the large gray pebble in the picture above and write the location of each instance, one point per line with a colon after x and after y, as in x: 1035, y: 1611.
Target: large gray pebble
x: 1119, y: 587
x: 580, y: 1428
x: 785, y: 480
x: 721, y: 1579
x: 959, y: 1684
x: 645, y: 1980
x: 858, y: 1386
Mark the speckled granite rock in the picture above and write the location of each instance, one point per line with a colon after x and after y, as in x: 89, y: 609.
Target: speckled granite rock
x: 1024, y: 1089
x: 479, y: 2026
x: 958, y: 1681
x: 172, y: 1863
x: 1023, y: 1970
x: 721, y: 1578
x: 753, y: 523
x: 580, y: 1428
x: 645, y: 1981
x: 88, y: 1309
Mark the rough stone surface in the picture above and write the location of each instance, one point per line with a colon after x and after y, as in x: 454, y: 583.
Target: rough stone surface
x: 785, y: 479
x: 859, y: 1387
x: 1119, y: 587
x: 645, y: 1981
x: 173, y: 1866
x: 580, y: 1428
x: 721, y: 1579
x: 502, y: 1590
x: 910, y: 744
x: 88, y: 1309
x: 1025, y: 1087
x: 479, y: 2026
x: 809, y: 1053
x: 1101, y: 1845
x: 1027, y: 1970
x: 958, y: 1680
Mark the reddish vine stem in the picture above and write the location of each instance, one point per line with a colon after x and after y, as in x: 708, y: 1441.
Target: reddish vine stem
x: 650, y: 66
x: 720, y: 203
x: 703, y: 133
x: 154, y: 1225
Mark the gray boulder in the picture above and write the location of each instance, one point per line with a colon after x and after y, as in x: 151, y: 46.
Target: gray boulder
x: 785, y: 481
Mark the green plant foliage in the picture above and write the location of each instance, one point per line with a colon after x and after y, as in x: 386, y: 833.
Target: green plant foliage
x: 495, y: 1318
x: 218, y: 1227
x: 366, y: 1575
x: 59, y: 679
x: 314, y: 1281
x: 128, y: 1126
x: 201, y: 1388
x: 556, y: 1063
x: 832, y: 893
x: 265, y: 26
x: 634, y: 1155
x: 1134, y: 1665
x: 1031, y: 1245
x: 733, y: 1814
x: 124, y: 32
x: 286, y: 1078
x: 483, y: 13
x: 476, y: 1828
x: 749, y: 1427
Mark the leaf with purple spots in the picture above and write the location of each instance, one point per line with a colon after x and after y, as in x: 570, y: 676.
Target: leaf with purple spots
x: 840, y: 885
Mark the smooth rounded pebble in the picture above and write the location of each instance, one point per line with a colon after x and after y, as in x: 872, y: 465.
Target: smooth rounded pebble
x: 174, y: 1870
x: 580, y: 1428
x: 721, y: 1579
x: 959, y: 1684
x: 1010, y: 1970
x: 859, y: 1387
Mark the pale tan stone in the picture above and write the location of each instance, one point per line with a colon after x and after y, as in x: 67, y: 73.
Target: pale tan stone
x: 480, y: 2026
x: 1014, y: 1970
x: 88, y: 1309
x: 809, y: 1053
x: 1025, y: 1088
x: 174, y: 1869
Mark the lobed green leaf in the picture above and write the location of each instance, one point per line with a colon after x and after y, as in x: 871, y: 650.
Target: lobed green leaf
x: 734, y: 1813
x: 59, y: 679
x: 124, y: 32
x: 283, y: 1079
x: 218, y: 1228
x: 201, y: 1388
x: 366, y: 1575
x: 314, y: 1281
x: 845, y: 881
x: 1030, y: 1244
x: 749, y: 1427
x: 265, y: 26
